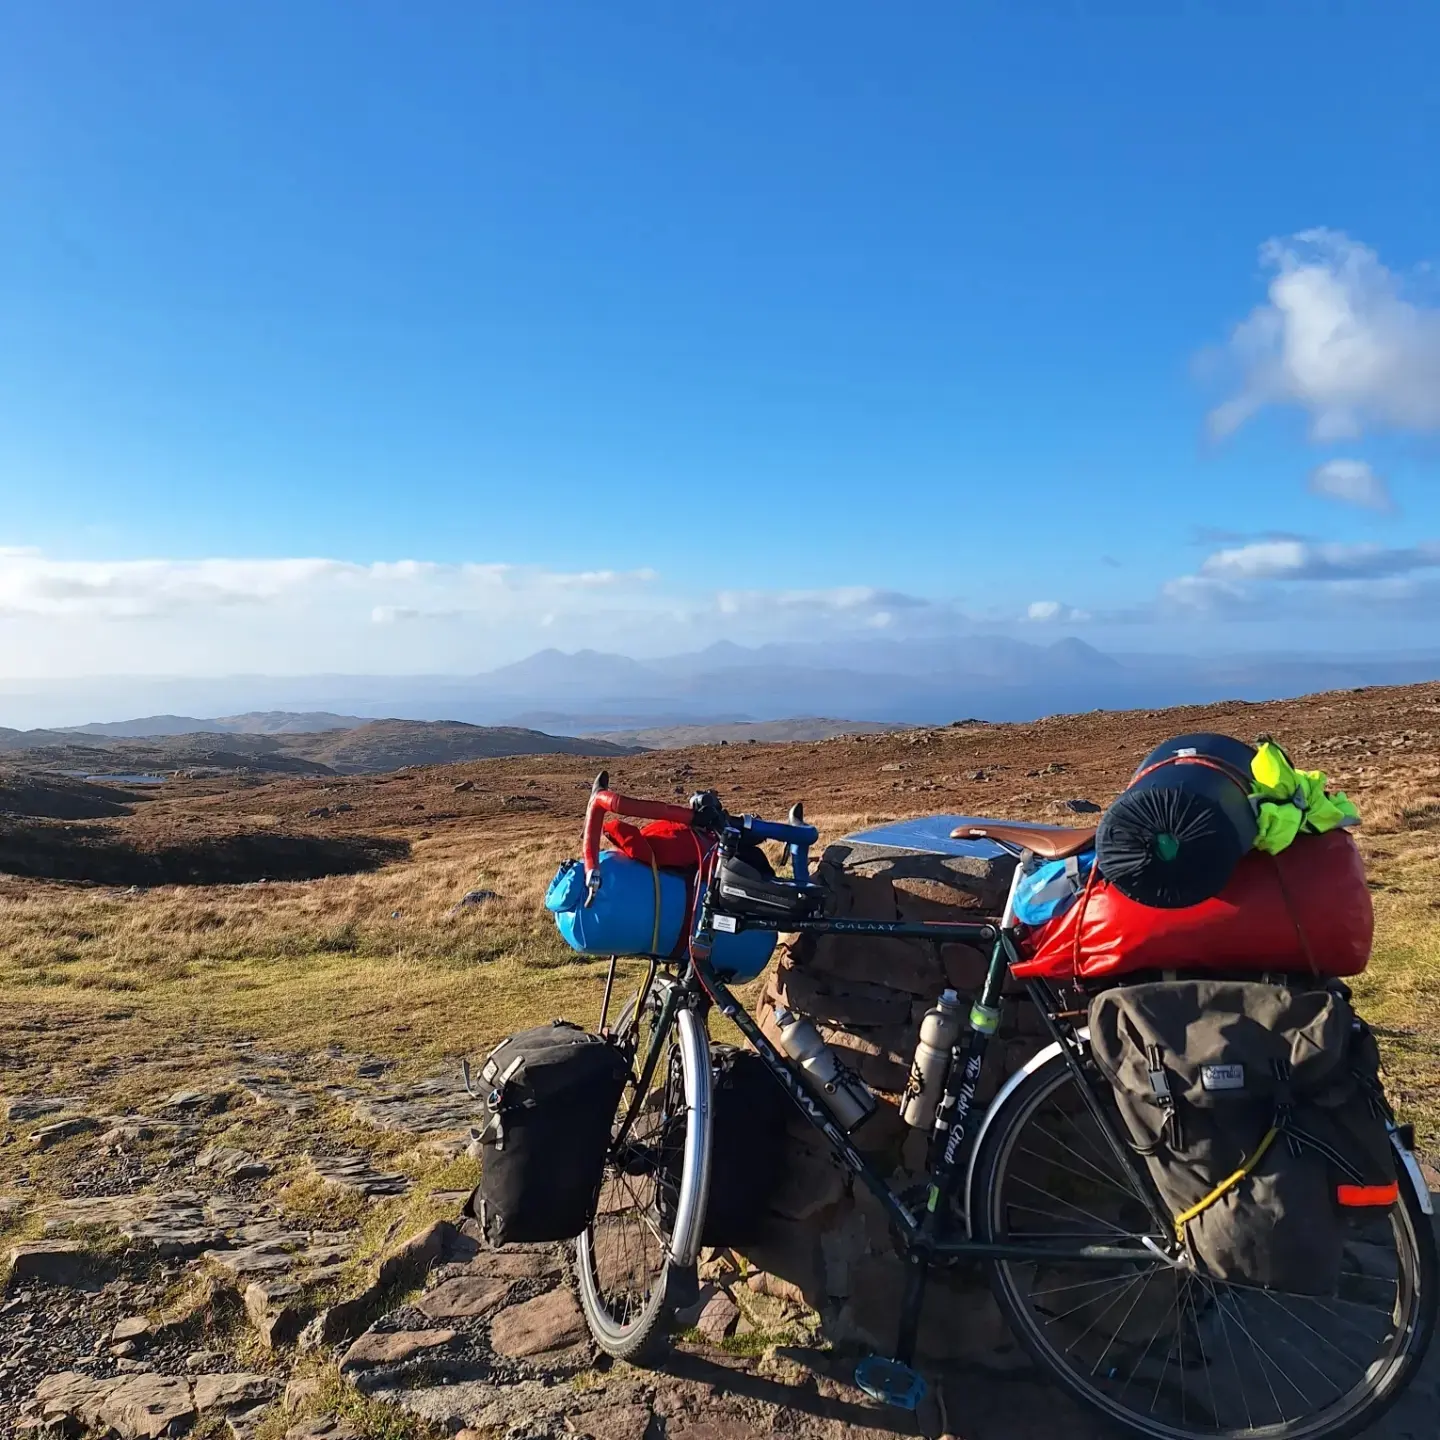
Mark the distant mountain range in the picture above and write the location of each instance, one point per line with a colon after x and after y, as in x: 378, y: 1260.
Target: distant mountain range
x: 988, y: 677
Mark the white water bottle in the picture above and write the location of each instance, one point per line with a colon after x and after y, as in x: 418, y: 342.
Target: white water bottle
x: 844, y: 1093
x: 939, y: 1030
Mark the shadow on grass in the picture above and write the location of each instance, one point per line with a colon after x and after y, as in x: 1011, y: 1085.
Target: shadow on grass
x: 92, y: 853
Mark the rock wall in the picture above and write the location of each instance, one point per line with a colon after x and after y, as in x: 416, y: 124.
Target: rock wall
x: 828, y: 1240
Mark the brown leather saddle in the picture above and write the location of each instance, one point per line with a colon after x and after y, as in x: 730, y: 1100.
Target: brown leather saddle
x: 1050, y: 842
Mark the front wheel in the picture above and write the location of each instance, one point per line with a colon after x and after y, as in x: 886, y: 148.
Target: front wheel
x: 634, y: 1258
x: 1168, y: 1353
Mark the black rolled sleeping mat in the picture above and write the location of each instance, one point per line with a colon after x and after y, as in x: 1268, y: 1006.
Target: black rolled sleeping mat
x: 1175, y: 835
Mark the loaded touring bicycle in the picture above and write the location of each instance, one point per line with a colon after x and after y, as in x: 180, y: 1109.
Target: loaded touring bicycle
x: 1107, y: 1286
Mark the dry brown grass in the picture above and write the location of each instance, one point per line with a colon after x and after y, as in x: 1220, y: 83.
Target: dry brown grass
x: 378, y: 961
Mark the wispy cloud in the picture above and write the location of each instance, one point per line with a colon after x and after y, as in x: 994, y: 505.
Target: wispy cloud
x: 304, y: 615
x: 1297, y: 560
x: 1340, y: 337
x: 1302, y: 580
x: 1352, y: 482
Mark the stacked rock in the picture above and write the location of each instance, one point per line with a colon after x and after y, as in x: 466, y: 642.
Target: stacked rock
x: 828, y: 1240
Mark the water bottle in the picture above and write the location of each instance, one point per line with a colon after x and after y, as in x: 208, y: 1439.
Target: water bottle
x: 939, y: 1030
x: 844, y: 1093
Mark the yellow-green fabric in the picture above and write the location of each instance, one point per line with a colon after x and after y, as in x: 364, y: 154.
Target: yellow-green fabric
x: 1293, y: 800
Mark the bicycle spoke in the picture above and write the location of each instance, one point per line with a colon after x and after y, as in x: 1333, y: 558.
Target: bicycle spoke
x: 1104, y: 1176
x: 1108, y: 1226
x: 1194, y: 1358
x: 1139, y: 1296
x: 1078, y: 1174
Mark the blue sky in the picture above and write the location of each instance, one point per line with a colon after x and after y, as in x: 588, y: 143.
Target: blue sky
x: 353, y: 335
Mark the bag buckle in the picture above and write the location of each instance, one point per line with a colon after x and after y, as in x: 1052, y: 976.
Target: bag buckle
x: 1159, y: 1080
x: 1164, y: 1097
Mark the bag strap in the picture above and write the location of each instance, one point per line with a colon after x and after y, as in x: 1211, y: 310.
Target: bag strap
x: 1230, y: 772
x: 1226, y: 1185
x: 655, y: 931
x: 1091, y: 880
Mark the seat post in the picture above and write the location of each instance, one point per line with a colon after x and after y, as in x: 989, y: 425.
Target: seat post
x: 1023, y: 858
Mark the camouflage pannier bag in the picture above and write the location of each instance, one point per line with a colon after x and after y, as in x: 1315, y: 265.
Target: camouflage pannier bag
x: 1259, y: 1113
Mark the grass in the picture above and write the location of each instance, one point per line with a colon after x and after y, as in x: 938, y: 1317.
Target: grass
x: 383, y: 962
x: 369, y: 1419
x: 377, y: 961
x: 1400, y: 991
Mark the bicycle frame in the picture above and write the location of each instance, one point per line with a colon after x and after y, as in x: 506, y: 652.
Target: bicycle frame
x: 924, y: 1234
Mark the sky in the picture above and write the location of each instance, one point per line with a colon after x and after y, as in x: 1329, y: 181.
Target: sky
x: 374, y: 338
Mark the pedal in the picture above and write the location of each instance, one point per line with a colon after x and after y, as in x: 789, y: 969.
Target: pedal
x: 890, y: 1382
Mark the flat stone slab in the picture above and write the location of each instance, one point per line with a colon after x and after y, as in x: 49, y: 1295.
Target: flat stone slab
x: 148, y: 1407
x: 241, y: 1389
x: 197, y: 1101
x: 231, y: 1163
x: 515, y: 1265
x: 439, y: 1105
x: 21, y: 1109
x: 551, y: 1321
x: 267, y: 1258
x: 392, y: 1347
x: 464, y: 1297
x: 355, y: 1172
x: 69, y: 1394
x: 67, y: 1129
x: 327, y: 1427
x: 277, y: 1094
x: 47, y: 1262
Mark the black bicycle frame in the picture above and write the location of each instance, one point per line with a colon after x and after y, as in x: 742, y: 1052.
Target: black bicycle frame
x: 923, y: 1235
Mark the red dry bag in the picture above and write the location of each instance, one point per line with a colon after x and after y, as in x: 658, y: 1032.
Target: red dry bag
x: 1305, y: 911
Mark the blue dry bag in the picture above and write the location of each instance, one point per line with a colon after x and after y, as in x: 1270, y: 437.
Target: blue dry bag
x: 1050, y: 889
x: 621, y: 918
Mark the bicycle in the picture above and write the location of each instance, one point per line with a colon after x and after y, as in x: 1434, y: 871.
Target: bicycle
x: 1044, y: 1191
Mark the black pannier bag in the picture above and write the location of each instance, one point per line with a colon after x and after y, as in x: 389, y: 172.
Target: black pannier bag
x: 747, y: 1148
x: 1259, y: 1113
x: 1173, y: 836
x: 548, y: 1099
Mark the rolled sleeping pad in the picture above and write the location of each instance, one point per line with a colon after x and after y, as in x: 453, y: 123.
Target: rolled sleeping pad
x: 1173, y: 837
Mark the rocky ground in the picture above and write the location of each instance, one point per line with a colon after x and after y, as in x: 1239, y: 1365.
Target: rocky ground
x: 213, y: 1266
x: 203, y: 1232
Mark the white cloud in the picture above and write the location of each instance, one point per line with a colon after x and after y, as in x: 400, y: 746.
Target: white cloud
x: 1301, y: 560
x: 296, y: 616
x: 1051, y: 612
x: 862, y: 601
x: 1340, y: 338
x: 1352, y: 482
x: 1302, y: 581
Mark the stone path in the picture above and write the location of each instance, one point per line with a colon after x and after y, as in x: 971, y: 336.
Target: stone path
x: 169, y: 1288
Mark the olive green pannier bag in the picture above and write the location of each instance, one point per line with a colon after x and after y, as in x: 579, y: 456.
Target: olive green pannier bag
x: 1259, y: 1112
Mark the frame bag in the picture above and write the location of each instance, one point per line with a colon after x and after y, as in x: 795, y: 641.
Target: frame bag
x: 549, y: 1098
x: 1259, y: 1114
x: 747, y: 1148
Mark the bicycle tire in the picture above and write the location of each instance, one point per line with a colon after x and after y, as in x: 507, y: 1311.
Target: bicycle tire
x: 1000, y: 1164
x: 640, y: 1335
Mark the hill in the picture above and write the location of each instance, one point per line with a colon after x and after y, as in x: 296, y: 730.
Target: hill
x: 256, y: 722
x: 364, y: 747
x: 380, y: 745
x: 753, y: 732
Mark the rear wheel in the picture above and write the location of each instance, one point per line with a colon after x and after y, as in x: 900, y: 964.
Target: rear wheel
x: 628, y: 1280
x: 1169, y: 1353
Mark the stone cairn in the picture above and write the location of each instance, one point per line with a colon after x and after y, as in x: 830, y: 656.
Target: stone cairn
x: 827, y: 1241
